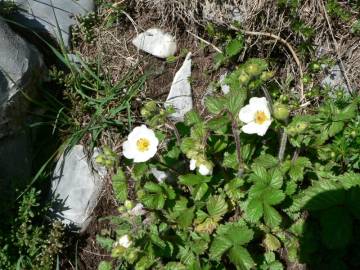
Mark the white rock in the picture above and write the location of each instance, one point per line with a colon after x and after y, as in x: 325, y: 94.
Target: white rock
x: 335, y: 79
x: 224, y: 87
x: 159, y: 175
x: 138, y: 210
x: 180, y: 96
x: 156, y: 42
x: 76, y: 187
x: 52, y: 15
x: 21, y: 71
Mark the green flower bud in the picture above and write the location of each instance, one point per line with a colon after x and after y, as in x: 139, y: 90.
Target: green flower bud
x: 253, y: 69
x: 266, y: 75
x: 107, y: 151
x: 129, y: 204
x: 300, y: 127
x: 281, y: 111
x: 315, y: 67
x: 353, y: 134
x: 108, y: 162
x: 333, y: 155
x: 150, y: 106
x: 244, y: 78
x: 144, y: 112
x: 100, y: 159
x: 306, y: 79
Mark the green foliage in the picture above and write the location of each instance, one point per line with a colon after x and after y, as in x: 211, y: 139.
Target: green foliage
x: 251, y: 205
x: 29, y: 243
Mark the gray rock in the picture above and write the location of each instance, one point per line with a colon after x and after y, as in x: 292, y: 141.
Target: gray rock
x: 156, y: 42
x: 224, y: 87
x: 21, y: 70
x: 76, y: 186
x: 161, y: 176
x: 180, y: 95
x: 335, y: 79
x: 53, y: 15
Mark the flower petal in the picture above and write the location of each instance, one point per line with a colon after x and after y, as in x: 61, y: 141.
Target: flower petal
x: 263, y: 128
x: 203, y: 170
x: 128, y: 150
x: 247, y: 113
x: 192, y: 164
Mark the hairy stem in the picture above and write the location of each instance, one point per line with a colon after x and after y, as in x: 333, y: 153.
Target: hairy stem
x: 236, y: 134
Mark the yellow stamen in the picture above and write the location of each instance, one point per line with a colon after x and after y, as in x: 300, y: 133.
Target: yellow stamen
x: 260, y: 117
x: 143, y: 144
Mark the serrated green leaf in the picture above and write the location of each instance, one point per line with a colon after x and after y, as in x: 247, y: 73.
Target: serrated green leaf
x: 335, y: 128
x: 230, y: 160
x: 296, y: 171
x: 187, y: 144
x: 216, y: 207
x: 272, y: 217
x: 214, y: 104
x: 236, y: 99
x: 276, y: 178
x: 254, y: 210
x: 348, y: 113
x: 139, y: 170
x: 200, y: 191
x: 349, y: 180
x: 186, y: 217
x: 234, y: 47
x: 241, y: 258
x: 192, y: 118
x: 273, y: 197
x: 266, y: 161
x: 120, y: 186
x: 271, y: 242
x: 153, y: 201
x: 105, y: 266
x: 239, y: 234
x: 153, y: 187
x: 219, y: 246
x: 193, y: 179
x: 219, y: 125
x: 319, y: 197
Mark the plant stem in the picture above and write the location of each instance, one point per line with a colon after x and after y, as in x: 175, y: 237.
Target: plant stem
x: 283, y: 143
x: 236, y: 134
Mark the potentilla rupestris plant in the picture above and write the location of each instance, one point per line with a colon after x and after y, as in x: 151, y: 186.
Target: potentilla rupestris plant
x: 225, y: 199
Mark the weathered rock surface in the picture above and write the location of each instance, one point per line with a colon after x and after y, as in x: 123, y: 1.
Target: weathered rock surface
x: 21, y: 70
x: 156, y: 42
x: 76, y: 186
x: 180, y: 95
x: 53, y: 15
x: 335, y: 79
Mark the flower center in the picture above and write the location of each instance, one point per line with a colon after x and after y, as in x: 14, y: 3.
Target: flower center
x: 143, y: 144
x: 260, y: 117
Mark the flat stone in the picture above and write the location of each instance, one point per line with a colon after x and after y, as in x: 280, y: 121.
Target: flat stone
x: 21, y: 71
x: 335, y: 79
x: 76, y: 186
x: 156, y: 42
x: 180, y: 95
x: 53, y: 15
x: 224, y: 87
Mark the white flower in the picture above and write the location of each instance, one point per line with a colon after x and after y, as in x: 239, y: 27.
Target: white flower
x: 138, y: 210
x: 256, y: 115
x: 141, y: 144
x: 192, y: 164
x: 204, y: 170
x: 124, y: 241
